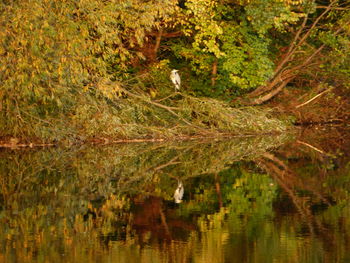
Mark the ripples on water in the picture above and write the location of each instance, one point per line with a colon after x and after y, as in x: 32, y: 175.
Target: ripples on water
x: 265, y: 199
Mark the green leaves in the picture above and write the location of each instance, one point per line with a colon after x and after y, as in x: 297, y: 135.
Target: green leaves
x: 266, y: 14
x: 237, y: 34
x: 248, y: 62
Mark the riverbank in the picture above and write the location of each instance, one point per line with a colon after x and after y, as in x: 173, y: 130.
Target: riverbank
x: 136, y: 116
x: 322, y: 105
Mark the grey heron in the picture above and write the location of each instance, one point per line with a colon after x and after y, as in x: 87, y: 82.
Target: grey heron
x: 175, y: 78
x: 179, y: 193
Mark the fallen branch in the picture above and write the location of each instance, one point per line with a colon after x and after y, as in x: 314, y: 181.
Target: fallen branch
x: 271, y: 94
x: 312, y: 147
x: 315, y: 97
x: 167, y: 97
x: 171, y: 162
x: 24, y: 145
x: 169, y: 109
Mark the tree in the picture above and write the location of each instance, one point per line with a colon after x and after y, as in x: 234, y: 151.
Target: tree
x: 52, y: 51
x: 320, y: 41
x: 231, y: 41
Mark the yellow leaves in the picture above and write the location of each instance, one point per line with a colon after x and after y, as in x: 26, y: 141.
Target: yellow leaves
x: 284, y: 18
x: 242, y: 82
x: 287, y: 2
x: 153, y: 93
x: 203, y: 25
x: 163, y: 64
x: 63, y: 59
x: 293, y: 2
x: 108, y: 89
x: 66, y: 44
x: 46, y: 24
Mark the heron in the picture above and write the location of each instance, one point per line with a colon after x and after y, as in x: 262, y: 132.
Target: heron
x: 179, y: 193
x: 175, y: 78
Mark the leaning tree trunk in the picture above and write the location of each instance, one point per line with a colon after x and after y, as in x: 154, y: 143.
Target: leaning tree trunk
x: 289, y: 66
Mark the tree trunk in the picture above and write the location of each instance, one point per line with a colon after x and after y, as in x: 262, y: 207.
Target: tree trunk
x: 285, y: 72
x: 214, y: 72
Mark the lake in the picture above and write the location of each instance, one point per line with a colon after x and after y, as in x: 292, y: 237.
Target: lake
x: 280, y: 198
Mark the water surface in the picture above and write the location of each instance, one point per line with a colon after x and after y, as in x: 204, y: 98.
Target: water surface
x: 258, y: 199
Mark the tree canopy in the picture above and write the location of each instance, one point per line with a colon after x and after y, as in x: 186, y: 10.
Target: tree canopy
x: 57, y: 56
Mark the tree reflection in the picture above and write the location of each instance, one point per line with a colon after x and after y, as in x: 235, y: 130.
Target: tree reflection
x: 243, y: 197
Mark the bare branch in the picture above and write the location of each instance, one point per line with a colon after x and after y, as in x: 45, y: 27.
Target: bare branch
x: 271, y: 94
x: 291, y: 49
x: 315, y: 97
x: 312, y: 147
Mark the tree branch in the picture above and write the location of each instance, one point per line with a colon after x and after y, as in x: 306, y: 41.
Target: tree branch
x: 271, y: 94
x: 315, y: 97
x: 279, y: 74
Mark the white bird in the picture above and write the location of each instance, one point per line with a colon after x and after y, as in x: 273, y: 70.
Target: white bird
x: 179, y: 193
x: 175, y: 78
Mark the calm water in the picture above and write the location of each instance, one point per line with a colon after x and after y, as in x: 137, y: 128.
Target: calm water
x: 264, y: 199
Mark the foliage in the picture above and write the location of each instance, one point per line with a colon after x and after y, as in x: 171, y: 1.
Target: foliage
x: 334, y: 65
x: 237, y: 35
x: 115, y: 113
x: 248, y: 61
x: 54, y: 52
x: 75, y: 67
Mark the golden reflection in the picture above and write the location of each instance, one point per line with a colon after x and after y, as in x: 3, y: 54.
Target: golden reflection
x: 115, y: 204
